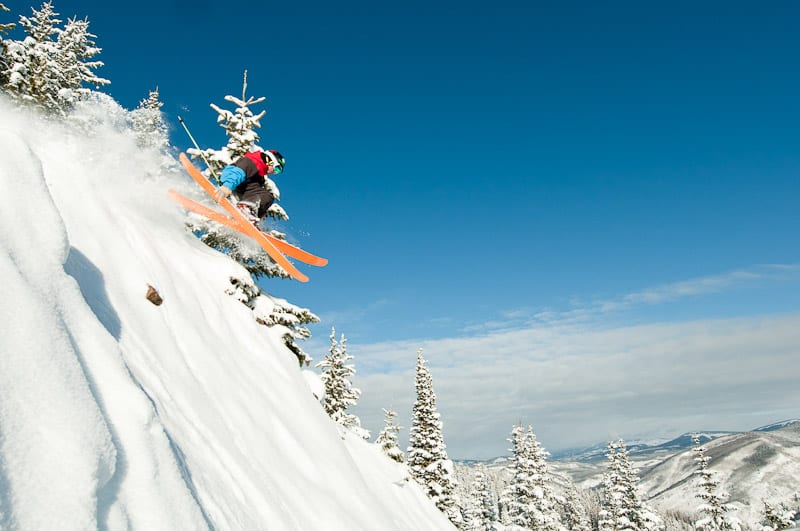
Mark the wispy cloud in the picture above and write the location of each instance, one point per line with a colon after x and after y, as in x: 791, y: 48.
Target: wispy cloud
x: 586, y: 310
x: 691, y: 288
x: 579, y: 379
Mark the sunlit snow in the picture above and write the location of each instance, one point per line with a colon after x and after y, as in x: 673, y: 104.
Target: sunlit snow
x: 119, y: 414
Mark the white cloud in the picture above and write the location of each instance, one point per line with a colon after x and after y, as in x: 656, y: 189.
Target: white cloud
x: 690, y: 288
x: 579, y: 380
x: 694, y: 287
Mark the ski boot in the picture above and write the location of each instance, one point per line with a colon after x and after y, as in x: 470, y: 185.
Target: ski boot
x: 248, y: 210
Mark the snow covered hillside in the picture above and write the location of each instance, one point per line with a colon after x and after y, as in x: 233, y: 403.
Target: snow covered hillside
x: 752, y: 467
x: 116, y: 413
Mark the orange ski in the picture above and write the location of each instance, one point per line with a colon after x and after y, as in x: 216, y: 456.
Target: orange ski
x: 245, y: 227
x: 283, y: 246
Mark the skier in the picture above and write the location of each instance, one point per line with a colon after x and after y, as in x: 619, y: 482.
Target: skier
x: 246, y: 178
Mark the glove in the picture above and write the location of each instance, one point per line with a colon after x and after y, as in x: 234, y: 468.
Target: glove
x: 222, y: 191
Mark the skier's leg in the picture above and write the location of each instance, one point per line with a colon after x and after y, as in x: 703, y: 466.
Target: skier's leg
x: 264, y: 200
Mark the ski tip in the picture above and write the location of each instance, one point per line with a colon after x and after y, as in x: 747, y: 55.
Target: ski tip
x: 300, y: 277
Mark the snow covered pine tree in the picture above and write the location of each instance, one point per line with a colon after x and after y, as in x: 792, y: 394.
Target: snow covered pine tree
x: 4, y: 29
x: 529, y: 499
x: 485, y: 516
x: 50, y: 66
x: 387, y: 438
x: 713, y: 510
x: 339, y: 391
x: 148, y: 123
x: 778, y: 518
x: 427, y: 453
x: 621, y: 507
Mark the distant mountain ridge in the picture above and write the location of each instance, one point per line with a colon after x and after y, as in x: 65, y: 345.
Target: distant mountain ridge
x: 642, y: 449
x: 678, y: 444
x: 779, y: 425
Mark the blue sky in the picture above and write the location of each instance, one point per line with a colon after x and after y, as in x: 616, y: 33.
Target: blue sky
x: 467, y: 167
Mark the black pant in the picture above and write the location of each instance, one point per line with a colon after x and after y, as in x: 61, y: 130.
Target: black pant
x: 255, y: 193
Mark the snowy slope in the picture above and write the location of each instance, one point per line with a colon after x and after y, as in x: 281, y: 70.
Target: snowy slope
x: 118, y: 414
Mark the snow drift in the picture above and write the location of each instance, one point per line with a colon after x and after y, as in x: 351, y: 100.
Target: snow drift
x: 119, y: 414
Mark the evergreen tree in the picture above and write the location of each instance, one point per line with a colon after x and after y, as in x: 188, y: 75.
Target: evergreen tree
x: 339, y: 391
x: 148, y: 123
x: 50, y: 66
x: 387, y: 438
x: 574, y: 516
x: 485, y: 517
x: 545, y: 500
x: 32, y: 73
x: 75, y: 48
x: 621, y: 506
x: 4, y: 29
x: 778, y: 518
x: 517, y: 496
x: 614, y: 491
x: 530, y: 501
x: 713, y: 509
x: 427, y: 453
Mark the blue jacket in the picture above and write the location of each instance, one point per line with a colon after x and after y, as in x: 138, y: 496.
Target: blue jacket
x: 231, y: 177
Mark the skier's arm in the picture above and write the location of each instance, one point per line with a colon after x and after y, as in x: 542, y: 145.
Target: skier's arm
x: 231, y: 177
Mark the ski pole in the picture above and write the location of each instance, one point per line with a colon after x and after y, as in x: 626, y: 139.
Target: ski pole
x: 198, y: 148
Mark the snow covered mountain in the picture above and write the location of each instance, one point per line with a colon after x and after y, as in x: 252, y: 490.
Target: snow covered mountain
x: 755, y: 466
x: 648, y: 449
x: 116, y: 413
x: 752, y: 467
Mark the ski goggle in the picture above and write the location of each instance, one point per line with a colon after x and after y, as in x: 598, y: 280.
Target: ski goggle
x: 274, y: 161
